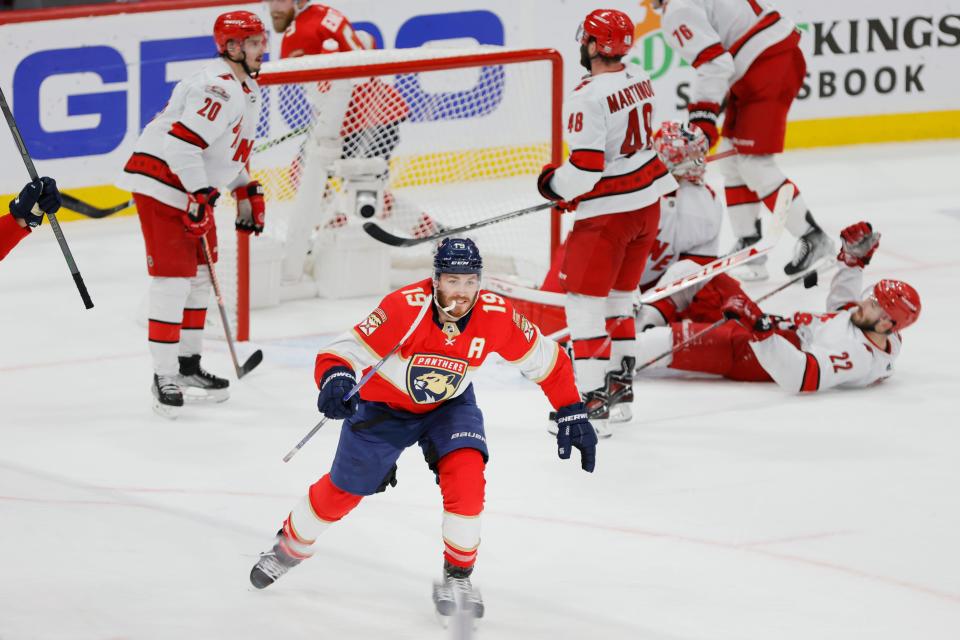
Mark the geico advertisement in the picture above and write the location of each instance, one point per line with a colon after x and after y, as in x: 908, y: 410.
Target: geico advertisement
x: 82, y: 89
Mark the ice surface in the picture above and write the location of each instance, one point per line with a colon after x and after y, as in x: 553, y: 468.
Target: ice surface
x: 724, y: 511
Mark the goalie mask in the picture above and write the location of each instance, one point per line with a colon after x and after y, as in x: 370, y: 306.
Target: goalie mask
x: 683, y: 149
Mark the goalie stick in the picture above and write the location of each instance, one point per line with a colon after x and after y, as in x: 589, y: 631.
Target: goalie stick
x: 366, y: 376
x: 54, y: 223
x: 257, y: 357
x: 382, y: 235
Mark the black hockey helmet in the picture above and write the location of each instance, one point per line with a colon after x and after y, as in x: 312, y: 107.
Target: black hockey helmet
x: 457, y: 255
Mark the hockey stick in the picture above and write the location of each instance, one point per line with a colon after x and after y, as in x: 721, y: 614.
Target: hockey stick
x: 257, y: 357
x: 366, y: 376
x: 54, y: 224
x: 86, y: 209
x: 720, y: 265
x: 379, y: 233
x: 810, y: 279
x: 299, y: 131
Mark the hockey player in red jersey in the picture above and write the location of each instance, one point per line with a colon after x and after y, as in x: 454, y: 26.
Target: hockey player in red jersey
x: 26, y: 211
x: 854, y: 344
x: 424, y: 394
x: 614, y: 180
x: 200, y: 142
x: 747, y: 57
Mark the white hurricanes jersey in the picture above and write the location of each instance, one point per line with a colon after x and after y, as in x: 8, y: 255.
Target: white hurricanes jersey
x: 721, y: 39
x: 690, y: 220
x: 612, y: 167
x: 202, y: 138
x: 834, y: 352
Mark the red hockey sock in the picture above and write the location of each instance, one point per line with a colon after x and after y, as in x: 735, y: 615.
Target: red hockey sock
x: 462, y: 485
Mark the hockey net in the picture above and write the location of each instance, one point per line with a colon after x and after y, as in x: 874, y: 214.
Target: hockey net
x: 415, y: 140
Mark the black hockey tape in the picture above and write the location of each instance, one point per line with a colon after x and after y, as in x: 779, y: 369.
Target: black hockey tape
x: 810, y: 280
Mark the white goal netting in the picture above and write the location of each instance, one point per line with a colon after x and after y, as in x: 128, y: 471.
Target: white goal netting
x: 386, y: 137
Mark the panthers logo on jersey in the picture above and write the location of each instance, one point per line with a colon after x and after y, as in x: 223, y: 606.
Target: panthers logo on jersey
x: 432, y: 378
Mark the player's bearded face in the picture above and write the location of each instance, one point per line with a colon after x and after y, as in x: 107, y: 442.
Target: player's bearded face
x: 281, y: 14
x: 253, y: 49
x: 870, y: 316
x: 459, y: 289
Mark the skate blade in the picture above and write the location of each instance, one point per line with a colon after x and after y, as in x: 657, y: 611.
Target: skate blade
x: 197, y: 395
x: 621, y: 413
x: 165, y: 410
x: 602, y: 427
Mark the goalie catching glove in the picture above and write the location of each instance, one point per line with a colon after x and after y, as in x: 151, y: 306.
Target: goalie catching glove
x: 574, y: 431
x: 198, y: 218
x: 859, y: 244
x: 251, y: 209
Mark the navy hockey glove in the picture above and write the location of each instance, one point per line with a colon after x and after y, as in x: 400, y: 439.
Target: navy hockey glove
x: 36, y: 198
x: 574, y: 431
x: 337, y: 383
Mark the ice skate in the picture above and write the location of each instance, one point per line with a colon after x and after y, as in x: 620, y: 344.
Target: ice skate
x: 271, y: 565
x: 756, y: 269
x: 198, y: 385
x: 167, y: 397
x: 620, y: 391
x: 456, y: 595
x: 811, y: 246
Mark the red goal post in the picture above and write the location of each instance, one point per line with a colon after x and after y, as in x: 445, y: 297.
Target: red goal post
x: 395, y: 68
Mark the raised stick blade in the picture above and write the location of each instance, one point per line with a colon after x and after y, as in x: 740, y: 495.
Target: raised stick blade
x: 811, y: 279
x: 379, y: 234
x: 252, y: 363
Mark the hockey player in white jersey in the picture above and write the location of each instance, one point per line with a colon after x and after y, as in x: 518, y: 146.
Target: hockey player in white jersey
x: 854, y: 344
x: 614, y: 180
x: 746, y: 57
x: 200, y: 142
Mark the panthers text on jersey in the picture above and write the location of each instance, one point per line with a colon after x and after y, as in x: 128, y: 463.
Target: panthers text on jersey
x: 439, y: 360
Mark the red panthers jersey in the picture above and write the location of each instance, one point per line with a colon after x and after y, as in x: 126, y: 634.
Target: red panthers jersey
x: 439, y: 360
x: 10, y: 234
x: 319, y: 29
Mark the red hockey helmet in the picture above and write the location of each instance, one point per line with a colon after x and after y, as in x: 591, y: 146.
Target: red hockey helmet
x: 899, y: 300
x: 236, y: 25
x: 612, y: 29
